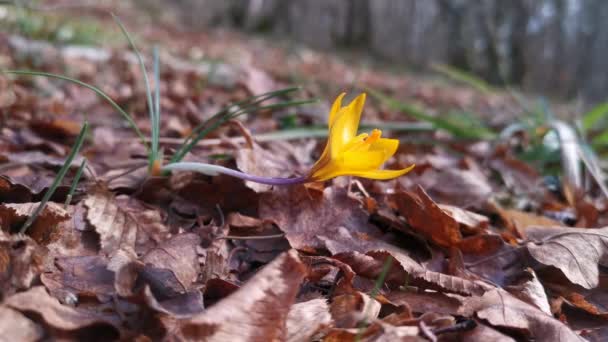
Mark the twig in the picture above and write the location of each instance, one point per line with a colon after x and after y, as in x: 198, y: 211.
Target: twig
x: 254, y: 237
x: 426, y: 331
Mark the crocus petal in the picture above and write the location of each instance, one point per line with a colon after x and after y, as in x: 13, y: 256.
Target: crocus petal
x: 388, y: 146
x: 369, y: 160
x: 335, y: 108
x: 345, y: 125
x: 379, y: 174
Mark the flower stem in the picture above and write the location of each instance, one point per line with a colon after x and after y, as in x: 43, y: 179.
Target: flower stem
x: 214, y: 170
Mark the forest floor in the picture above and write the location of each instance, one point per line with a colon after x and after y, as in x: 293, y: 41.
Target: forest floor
x: 494, y: 236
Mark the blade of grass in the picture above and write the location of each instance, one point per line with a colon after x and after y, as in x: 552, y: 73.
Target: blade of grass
x: 458, y: 130
x: 60, y: 175
x: 463, y: 76
x: 388, y: 263
x: 592, y: 117
x: 68, y: 199
x: 156, y: 110
x: 153, y: 106
x: 226, y: 114
x: 97, y: 91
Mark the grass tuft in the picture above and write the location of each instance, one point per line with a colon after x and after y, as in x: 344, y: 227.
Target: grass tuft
x: 60, y: 175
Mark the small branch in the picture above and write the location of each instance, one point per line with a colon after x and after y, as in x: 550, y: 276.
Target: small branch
x: 258, y: 237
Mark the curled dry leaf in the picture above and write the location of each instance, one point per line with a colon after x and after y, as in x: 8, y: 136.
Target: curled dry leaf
x: 63, y: 319
x: 462, y: 188
x: 16, y: 327
x: 116, y: 228
x: 44, y: 229
x: 468, y: 220
x: 422, y: 302
x: 306, y: 319
x: 85, y: 276
x: 333, y: 222
x: 501, y: 309
x: 258, y: 161
x: 483, y: 333
x: 176, y: 256
x: 182, y: 306
x: 531, y: 291
x: 406, y: 271
x: 264, y: 303
x: 350, y: 309
x: 21, y: 261
x: 427, y: 218
x: 575, y: 251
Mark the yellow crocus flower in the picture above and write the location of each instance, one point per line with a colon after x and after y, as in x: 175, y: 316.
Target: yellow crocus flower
x: 356, y: 155
x: 345, y: 153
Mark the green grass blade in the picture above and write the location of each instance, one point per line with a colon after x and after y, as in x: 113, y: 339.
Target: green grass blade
x: 231, y: 111
x: 463, y: 77
x: 156, y: 109
x: 592, y: 117
x: 68, y: 199
x: 459, y: 130
x: 149, y: 96
x: 98, y: 91
x: 60, y: 175
x: 388, y: 263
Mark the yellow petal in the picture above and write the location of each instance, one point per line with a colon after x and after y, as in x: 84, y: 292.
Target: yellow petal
x: 345, y: 125
x: 369, y: 160
x: 335, y: 108
x: 388, y: 146
x: 382, y: 174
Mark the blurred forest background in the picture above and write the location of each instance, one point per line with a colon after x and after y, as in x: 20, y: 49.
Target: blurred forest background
x: 551, y: 47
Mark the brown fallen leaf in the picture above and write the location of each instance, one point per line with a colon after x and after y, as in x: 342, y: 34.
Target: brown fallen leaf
x: 501, y: 309
x: 482, y: 333
x: 174, y: 264
x: 427, y: 218
x: 116, y: 228
x: 348, y: 310
x: 469, y: 221
x: 530, y: 290
x: 21, y: 261
x: 408, y: 272
x: 423, y: 302
x: 334, y: 222
x: 182, y: 306
x: 264, y: 303
x: 575, y: 251
x: 261, y: 162
x: 307, y: 319
x: 64, y: 321
x: 519, y: 221
x: 43, y: 230
x: 84, y: 276
x: 16, y: 327
x: 460, y: 188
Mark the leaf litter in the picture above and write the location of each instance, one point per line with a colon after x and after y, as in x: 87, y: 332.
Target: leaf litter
x: 482, y: 247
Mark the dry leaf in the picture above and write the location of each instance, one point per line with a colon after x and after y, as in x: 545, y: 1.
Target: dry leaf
x: 503, y: 310
x: 85, y: 276
x: 334, y: 222
x: 427, y: 218
x: 16, y: 327
x: 307, y: 319
x: 62, y: 318
x: 21, y: 261
x: 116, y: 228
x: 177, y: 259
x: 531, y: 291
x: 44, y: 229
x: 260, y: 162
x: 264, y: 303
x: 575, y: 251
